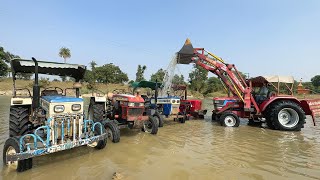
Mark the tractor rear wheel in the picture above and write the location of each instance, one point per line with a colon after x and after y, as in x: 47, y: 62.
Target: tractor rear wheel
x: 113, y: 131
x: 19, y: 123
x: 229, y: 119
x: 286, y: 116
x: 159, y: 118
x: 11, y: 147
x: 96, y: 110
x: 151, y: 126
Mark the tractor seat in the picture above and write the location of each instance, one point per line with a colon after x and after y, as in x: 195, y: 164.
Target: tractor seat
x: 50, y: 93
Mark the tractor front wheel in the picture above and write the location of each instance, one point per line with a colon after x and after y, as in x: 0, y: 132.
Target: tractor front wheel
x: 286, y: 116
x: 11, y: 147
x: 113, y: 131
x: 159, y: 118
x: 151, y: 126
x: 101, y: 143
x: 214, y: 117
x: 229, y: 119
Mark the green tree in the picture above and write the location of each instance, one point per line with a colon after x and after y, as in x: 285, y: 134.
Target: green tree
x: 316, y: 81
x: 24, y: 76
x: 213, y: 85
x: 178, y: 79
x: 65, y: 53
x: 6, y: 56
x: 140, y: 73
x: 3, y: 69
x: 197, y: 78
x: 159, y: 75
x: 110, y: 73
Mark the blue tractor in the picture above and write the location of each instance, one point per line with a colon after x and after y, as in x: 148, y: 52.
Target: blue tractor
x: 47, y: 120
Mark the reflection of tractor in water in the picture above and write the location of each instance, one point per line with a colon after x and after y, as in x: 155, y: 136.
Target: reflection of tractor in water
x: 49, y: 122
x: 192, y: 107
x: 121, y: 111
x: 282, y: 112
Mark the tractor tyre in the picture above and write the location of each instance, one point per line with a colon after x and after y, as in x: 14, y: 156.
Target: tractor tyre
x: 214, y: 117
x: 268, y: 117
x: 151, y: 126
x: 96, y: 110
x: 183, y: 119
x: 159, y: 118
x: 286, y: 116
x: 229, y: 119
x: 19, y: 123
x: 10, y: 147
x: 101, y: 143
x: 113, y: 131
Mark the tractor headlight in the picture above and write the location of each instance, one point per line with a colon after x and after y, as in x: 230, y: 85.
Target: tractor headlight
x: 131, y: 104
x: 58, y: 108
x: 141, y: 104
x: 173, y: 101
x: 76, y: 107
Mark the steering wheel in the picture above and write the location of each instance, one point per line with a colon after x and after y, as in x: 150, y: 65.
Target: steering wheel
x: 271, y: 93
x: 55, y: 88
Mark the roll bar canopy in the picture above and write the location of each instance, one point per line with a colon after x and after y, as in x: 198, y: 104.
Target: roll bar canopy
x: 51, y: 68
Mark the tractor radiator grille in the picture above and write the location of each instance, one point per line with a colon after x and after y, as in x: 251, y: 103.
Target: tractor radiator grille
x: 135, y: 111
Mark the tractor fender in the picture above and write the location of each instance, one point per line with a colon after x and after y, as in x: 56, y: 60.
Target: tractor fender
x: 265, y: 104
x: 100, y: 98
x: 20, y: 101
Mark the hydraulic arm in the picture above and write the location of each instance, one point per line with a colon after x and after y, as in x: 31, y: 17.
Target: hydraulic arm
x: 227, y: 73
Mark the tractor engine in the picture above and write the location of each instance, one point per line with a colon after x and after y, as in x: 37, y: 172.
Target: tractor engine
x: 65, y: 117
x: 128, y: 109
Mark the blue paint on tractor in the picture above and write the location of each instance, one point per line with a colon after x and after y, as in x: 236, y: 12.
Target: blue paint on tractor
x: 166, y: 103
x: 226, y: 101
x: 60, y: 99
x: 48, y: 147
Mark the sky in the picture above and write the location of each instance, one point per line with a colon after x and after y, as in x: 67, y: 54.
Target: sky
x: 261, y: 37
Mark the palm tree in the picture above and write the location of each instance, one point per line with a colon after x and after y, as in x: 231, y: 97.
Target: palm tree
x: 93, y: 65
x: 65, y: 53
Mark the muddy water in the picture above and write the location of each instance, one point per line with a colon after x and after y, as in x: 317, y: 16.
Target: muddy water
x: 195, y: 150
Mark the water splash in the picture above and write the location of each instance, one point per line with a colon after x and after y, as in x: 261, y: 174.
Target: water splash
x: 167, y: 80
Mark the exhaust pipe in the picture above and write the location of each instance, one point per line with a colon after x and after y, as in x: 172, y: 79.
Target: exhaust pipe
x: 36, y: 88
x: 184, y: 56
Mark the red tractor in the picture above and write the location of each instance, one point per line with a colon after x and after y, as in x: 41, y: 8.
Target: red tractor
x: 121, y: 111
x: 192, y: 107
x: 281, y: 112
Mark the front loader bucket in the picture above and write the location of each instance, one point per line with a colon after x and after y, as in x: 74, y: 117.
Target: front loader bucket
x: 186, y: 53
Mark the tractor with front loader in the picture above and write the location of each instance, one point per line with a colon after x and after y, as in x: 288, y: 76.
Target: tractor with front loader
x: 48, y: 120
x: 121, y: 110
x: 280, y: 111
